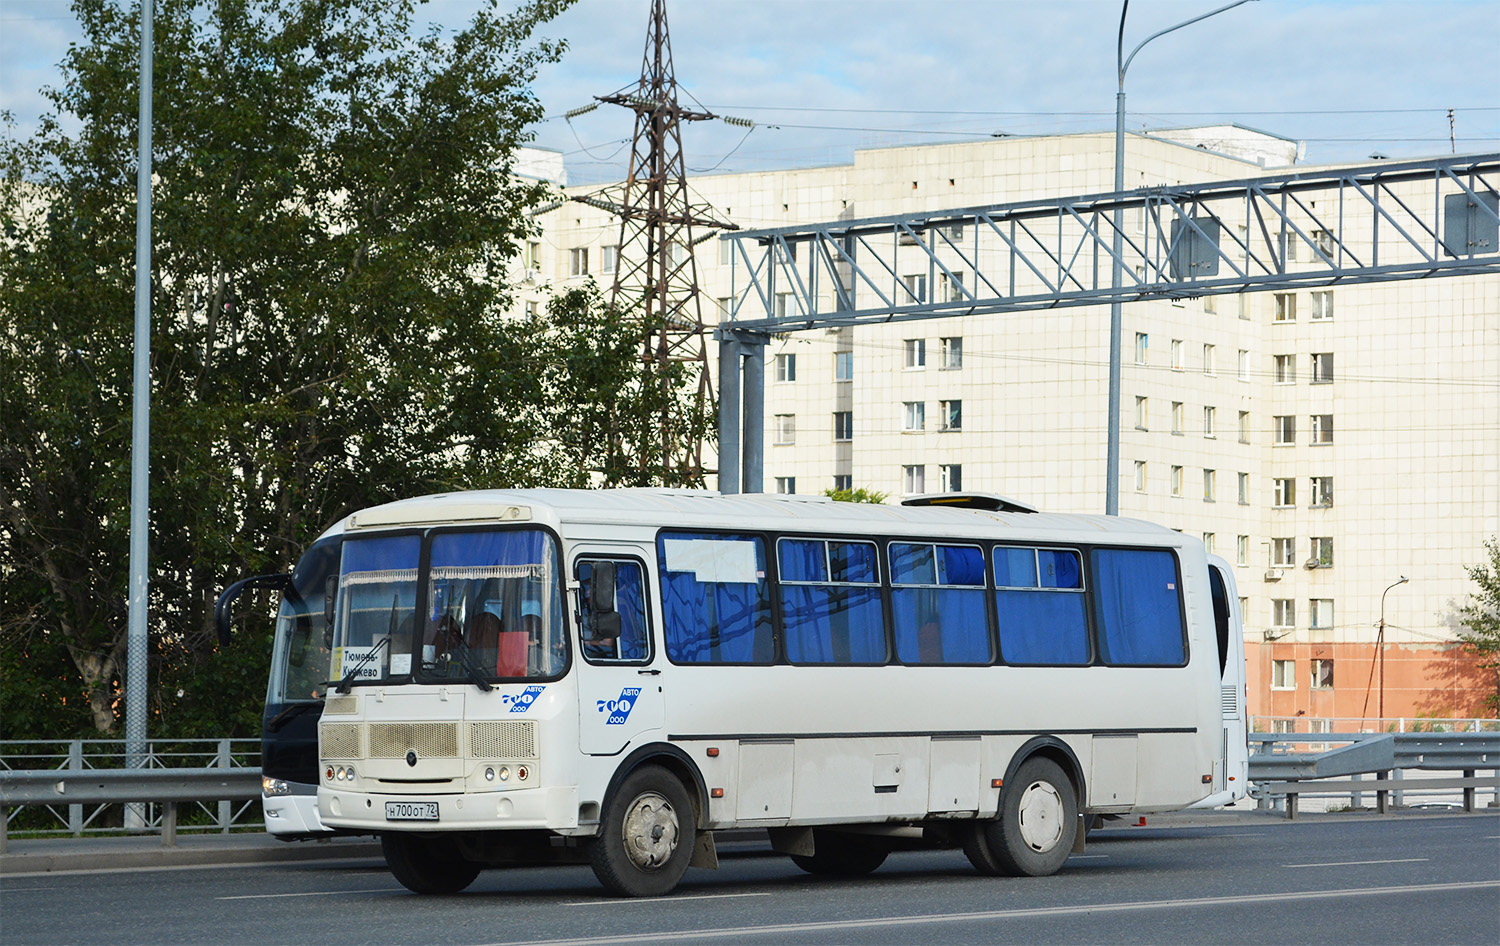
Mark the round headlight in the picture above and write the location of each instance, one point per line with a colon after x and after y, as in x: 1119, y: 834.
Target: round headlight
x: 489, y: 774
x: 504, y: 773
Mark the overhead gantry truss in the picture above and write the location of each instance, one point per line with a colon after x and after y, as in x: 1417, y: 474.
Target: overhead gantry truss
x: 1382, y: 222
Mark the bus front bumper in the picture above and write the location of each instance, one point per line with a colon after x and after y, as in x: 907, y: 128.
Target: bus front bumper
x: 552, y: 808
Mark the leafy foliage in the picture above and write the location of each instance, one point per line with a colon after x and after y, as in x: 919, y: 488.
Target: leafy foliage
x: 858, y: 494
x: 1481, y: 620
x: 333, y: 214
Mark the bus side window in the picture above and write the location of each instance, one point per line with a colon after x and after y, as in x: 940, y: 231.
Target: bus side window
x: 1139, y: 607
x: 612, y: 611
x: 937, y: 598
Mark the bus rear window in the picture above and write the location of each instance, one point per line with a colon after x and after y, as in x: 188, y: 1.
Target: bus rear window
x: 716, y: 604
x: 1138, y: 604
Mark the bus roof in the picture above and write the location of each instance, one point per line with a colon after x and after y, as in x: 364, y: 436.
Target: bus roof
x: 706, y: 509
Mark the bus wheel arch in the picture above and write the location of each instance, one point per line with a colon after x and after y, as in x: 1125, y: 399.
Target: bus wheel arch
x: 675, y: 761
x: 1037, y: 823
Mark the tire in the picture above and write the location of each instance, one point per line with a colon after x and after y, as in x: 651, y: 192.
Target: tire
x: 842, y: 855
x: 430, y: 865
x: 1037, y: 826
x: 646, y: 835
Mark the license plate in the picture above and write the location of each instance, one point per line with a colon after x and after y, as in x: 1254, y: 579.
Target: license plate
x: 411, y: 811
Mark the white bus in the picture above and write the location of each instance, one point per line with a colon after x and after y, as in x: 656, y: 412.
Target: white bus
x: 611, y: 676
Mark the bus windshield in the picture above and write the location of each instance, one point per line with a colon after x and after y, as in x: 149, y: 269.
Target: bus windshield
x: 299, y: 659
x: 491, y: 608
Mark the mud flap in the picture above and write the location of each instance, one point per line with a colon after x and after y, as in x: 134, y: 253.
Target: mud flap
x: 704, y: 853
x: 1081, y: 835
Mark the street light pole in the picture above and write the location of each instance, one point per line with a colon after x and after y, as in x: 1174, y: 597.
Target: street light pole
x: 1122, y: 63
x: 1380, y: 645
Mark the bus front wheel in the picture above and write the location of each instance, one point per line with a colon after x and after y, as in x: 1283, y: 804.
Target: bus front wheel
x: 427, y: 864
x: 646, y: 835
x: 1035, y: 831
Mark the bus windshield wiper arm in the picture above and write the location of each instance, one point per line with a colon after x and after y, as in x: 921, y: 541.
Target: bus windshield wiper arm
x: 294, y: 709
x: 471, y: 669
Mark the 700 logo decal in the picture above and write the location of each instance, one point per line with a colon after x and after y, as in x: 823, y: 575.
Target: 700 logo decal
x: 619, y: 709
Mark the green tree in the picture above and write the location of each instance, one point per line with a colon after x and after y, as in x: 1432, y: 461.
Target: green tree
x: 1481, y: 620
x: 334, y: 211
x: 857, y: 494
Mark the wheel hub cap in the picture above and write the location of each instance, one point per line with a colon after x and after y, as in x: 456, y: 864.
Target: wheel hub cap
x: 1041, y: 816
x: 651, y: 831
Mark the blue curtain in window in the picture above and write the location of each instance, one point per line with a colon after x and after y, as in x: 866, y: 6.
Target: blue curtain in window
x: 833, y: 624
x: 1015, y: 568
x: 801, y: 560
x: 715, y: 622
x: 942, y: 624
x: 630, y: 602
x: 383, y: 554
x: 1042, y: 627
x: 1059, y: 568
x: 1136, y: 597
x: 528, y: 547
x: 853, y: 561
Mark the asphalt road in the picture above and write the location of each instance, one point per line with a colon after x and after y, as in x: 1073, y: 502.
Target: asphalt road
x: 1414, y: 878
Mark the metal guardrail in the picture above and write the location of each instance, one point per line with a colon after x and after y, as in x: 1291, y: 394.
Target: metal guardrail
x: 123, y: 786
x: 89, y: 777
x: 1289, y: 765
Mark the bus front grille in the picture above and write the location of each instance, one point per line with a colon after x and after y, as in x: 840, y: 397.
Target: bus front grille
x: 430, y: 740
x: 503, y: 740
x: 339, y: 741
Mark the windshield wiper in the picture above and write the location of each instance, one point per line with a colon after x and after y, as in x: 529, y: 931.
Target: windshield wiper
x: 471, y: 669
x: 275, y: 723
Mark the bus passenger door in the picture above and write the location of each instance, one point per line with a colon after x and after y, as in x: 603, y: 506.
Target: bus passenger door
x: 619, y: 690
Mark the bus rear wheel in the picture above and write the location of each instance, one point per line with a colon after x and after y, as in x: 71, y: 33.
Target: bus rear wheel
x: 1037, y: 826
x: 845, y: 855
x: 429, y: 865
x: 646, y: 835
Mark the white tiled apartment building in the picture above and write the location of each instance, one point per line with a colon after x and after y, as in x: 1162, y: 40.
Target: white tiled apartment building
x: 1326, y: 441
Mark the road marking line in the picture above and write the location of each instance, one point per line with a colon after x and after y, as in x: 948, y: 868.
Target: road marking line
x: 1399, y: 860
x: 620, y: 902
x: 304, y: 893
x: 785, y: 929
x: 1085, y: 857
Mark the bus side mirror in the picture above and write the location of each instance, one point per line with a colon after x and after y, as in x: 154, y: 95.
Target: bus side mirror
x: 330, y: 591
x: 222, y: 607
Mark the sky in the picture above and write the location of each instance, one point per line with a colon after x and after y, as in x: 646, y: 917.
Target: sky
x: 821, y: 78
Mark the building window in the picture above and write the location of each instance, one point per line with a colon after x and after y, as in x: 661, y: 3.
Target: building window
x: 1244, y: 488
x: 1208, y: 486
x: 1242, y: 304
x: 1322, y: 675
x: 1211, y: 304
x: 1322, y: 428
x: 1242, y: 551
x: 726, y: 307
x: 953, y: 477
x: 1208, y: 542
x: 783, y: 304
x: 1209, y: 427
x: 1322, y: 552
x: 1142, y: 347
x: 786, y: 428
x: 950, y: 353
x: 1284, y: 369
x: 679, y: 254
x: 533, y: 255
x: 1320, y: 613
x: 1176, y: 482
x: 1284, y: 552
x: 786, y: 367
x: 1244, y: 365
x: 786, y: 485
x: 1323, y: 240
x: 843, y: 366
x: 726, y: 252
x: 916, y: 288
x: 1322, y: 491
x: 953, y: 286
x: 609, y: 259
x: 1244, y: 426
x: 1322, y: 306
x: 578, y: 261
x: 1283, y: 675
x: 1177, y: 418
x: 1140, y: 476
x: 1283, y: 613
x: 1177, y: 360
x: 843, y: 481
x: 1283, y: 492
x: 914, y: 479
x: 1286, y: 306
x: 1141, y: 413
x: 1283, y: 725
x: 843, y: 425
x: 953, y: 415
x: 1208, y: 359
x: 1284, y: 429
x: 915, y: 415
x: 532, y: 310
x: 916, y: 352
x: 1322, y: 367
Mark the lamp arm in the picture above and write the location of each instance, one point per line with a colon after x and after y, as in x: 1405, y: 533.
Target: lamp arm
x: 1125, y: 65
